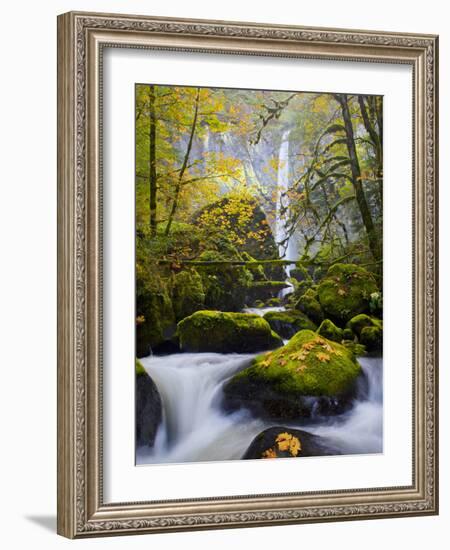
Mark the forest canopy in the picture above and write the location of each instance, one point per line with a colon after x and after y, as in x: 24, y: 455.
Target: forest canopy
x: 195, y: 145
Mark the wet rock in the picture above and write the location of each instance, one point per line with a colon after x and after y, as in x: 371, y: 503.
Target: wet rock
x: 287, y: 323
x: 282, y: 442
x: 148, y: 408
x: 309, y: 376
x: 345, y: 291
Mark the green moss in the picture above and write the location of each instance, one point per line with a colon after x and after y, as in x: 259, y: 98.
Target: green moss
x: 140, y: 371
x: 226, y: 333
x: 257, y: 269
x: 273, y: 302
x: 272, y: 285
x: 345, y: 291
x: 318, y: 273
x: 225, y: 286
x: 347, y: 334
x: 264, y: 290
x: 310, y: 307
x: 287, y: 323
x: 358, y: 350
x: 309, y: 365
x: 157, y: 320
x: 361, y: 321
x: 300, y: 273
x: 329, y: 330
x: 188, y: 294
x: 311, y: 292
x: 372, y: 338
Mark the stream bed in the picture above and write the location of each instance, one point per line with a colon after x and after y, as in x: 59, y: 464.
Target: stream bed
x: 195, y: 428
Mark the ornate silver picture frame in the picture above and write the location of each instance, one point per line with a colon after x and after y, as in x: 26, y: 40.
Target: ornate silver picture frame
x: 82, y: 509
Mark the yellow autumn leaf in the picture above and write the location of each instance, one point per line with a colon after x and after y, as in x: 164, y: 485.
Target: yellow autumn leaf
x: 298, y: 356
x: 327, y: 346
x: 283, y: 440
x: 265, y: 363
x: 270, y: 453
x: 295, y: 446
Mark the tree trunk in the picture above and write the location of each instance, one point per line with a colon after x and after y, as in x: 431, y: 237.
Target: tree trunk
x: 372, y: 236
x: 152, y: 163
x: 183, y: 166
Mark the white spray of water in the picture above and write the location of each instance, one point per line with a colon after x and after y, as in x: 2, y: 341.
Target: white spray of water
x: 261, y: 311
x: 195, y: 429
x: 361, y: 429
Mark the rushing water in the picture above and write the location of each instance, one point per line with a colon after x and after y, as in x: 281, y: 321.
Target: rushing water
x: 195, y: 429
x: 287, y: 248
x: 261, y: 311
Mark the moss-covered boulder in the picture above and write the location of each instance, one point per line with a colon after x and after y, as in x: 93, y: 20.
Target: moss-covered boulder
x: 357, y: 349
x: 345, y: 291
x: 155, y: 319
x: 361, y: 321
x: 287, y: 323
x: 221, y: 332
x: 282, y: 442
x: 188, y: 294
x: 148, y: 407
x: 310, y: 375
x: 329, y: 330
x: 372, y: 338
x: 310, y: 306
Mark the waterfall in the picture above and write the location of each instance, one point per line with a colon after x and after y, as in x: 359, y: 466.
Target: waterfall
x: 287, y: 250
x: 196, y: 429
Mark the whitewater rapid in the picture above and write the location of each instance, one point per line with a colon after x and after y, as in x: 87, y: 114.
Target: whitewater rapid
x: 196, y: 429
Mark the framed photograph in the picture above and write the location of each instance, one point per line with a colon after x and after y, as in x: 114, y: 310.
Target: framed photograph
x: 247, y: 283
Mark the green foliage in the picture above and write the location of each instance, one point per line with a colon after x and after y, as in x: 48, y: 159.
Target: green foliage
x: 188, y: 294
x: 240, y: 218
x: 225, y: 286
x: 207, y: 169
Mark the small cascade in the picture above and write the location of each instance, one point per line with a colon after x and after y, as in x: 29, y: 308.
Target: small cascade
x: 195, y: 428
x: 287, y: 249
